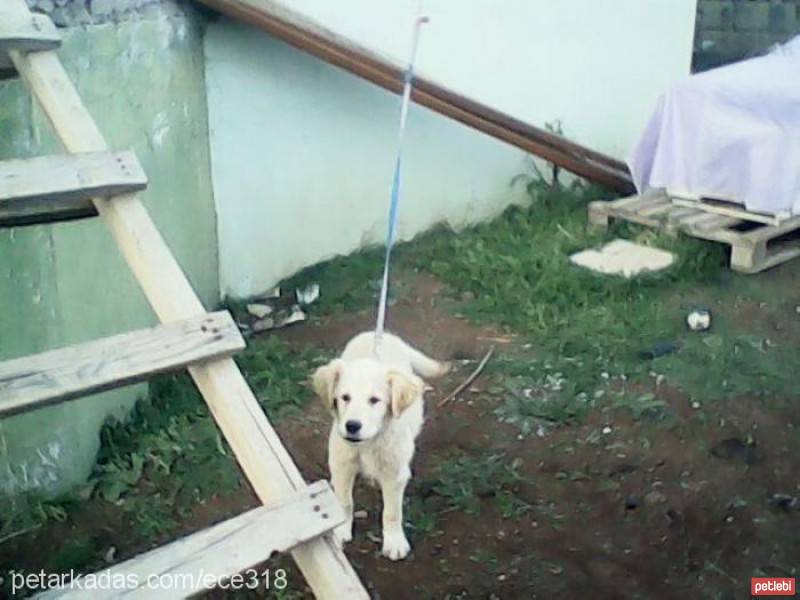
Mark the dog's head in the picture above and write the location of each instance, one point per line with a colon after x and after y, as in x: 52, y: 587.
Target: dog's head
x: 364, y: 394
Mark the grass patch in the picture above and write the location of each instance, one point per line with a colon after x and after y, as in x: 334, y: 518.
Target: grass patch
x: 464, y: 480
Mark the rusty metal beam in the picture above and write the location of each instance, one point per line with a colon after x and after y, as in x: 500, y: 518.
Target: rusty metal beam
x: 309, y: 37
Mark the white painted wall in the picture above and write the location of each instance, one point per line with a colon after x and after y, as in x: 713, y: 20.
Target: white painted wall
x: 302, y: 152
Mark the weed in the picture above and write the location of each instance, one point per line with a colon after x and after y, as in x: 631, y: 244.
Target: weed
x: 278, y: 374
x: 485, y: 557
x: 463, y: 481
x: 420, y: 516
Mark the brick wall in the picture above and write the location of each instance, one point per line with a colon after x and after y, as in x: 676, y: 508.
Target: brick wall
x: 730, y: 30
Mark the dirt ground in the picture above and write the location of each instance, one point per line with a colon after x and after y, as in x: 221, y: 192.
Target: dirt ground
x: 613, y: 507
x: 620, y: 508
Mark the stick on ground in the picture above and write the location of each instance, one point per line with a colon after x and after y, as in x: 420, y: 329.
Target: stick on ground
x: 473, y: 376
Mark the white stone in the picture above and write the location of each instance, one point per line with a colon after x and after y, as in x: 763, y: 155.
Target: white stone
x: 259, y: 311
x: 621, y: 257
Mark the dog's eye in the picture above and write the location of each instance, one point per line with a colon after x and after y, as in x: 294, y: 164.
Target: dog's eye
x: 374, y: 400
x: 346, y: 398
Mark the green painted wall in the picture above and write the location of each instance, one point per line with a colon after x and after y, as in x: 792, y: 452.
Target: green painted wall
x: 144, y: 83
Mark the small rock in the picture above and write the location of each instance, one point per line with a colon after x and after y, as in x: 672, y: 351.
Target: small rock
x: 695, y: 405
x: 307, y: 295
x: 360, y: 514
x: 501, y: 577
x: 109, y: 555
x: 259, y: 311
x: 263, y: 325
x: 272, y: 294
x: 783, y: 501
x: 654, y: 497
x: 631, y: 503
x: 606, y: 430
x: 468, y: 296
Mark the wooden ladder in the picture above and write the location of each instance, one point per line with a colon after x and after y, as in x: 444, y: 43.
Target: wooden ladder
x: 91, y: 181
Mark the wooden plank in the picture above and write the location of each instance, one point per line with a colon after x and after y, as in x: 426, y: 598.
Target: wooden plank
x: 698, y: 218
x: 629, y: 202
x: 657, y: 208
x: 770, y: 233
x: 262, y: 456
x: 646, y: 202
x: 730, y: 211
x: 58, y: 375
x: 26, y: 33
x: 718, y: 222
x: 207, y: 558
x: 61, y: 187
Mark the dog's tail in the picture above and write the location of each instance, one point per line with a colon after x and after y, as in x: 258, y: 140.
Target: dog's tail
x: 424, y: 366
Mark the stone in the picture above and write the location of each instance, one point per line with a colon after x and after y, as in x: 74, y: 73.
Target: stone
x: 259, y: 311
x: 654, y: 497
x: 622, y: 257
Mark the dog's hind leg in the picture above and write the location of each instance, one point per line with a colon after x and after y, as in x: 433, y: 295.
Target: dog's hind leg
x: 395, y: 544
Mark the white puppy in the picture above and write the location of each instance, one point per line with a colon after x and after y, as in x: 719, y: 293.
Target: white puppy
x: 377, y: 409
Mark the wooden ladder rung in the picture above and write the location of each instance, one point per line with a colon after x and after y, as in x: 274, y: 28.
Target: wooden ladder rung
x: 60, y: 187
x: 34, y: 381
x: 197, y: 562
x: 26, y: 33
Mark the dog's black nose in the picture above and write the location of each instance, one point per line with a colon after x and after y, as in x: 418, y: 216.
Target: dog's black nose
x: 353, y: 427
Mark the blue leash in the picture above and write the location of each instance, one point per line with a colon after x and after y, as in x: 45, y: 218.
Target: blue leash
x: 395, y: 197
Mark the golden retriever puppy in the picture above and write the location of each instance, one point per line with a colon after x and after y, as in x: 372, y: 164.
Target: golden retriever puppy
x: 377, y: 407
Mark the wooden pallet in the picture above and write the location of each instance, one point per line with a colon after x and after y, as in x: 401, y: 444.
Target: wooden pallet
x: 754, y: 246
x: 92, y: 182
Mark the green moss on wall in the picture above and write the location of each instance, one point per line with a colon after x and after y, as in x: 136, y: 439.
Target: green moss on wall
x: 144, y: 83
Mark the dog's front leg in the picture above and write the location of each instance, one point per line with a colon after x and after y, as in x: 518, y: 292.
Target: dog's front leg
x: 395, y: 544
x: 343, y: 476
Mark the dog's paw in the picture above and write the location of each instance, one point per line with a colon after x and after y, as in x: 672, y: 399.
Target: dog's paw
x: 395, y: 545
x: 343, y: 534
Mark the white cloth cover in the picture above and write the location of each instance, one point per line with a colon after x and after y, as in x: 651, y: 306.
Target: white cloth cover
x: 732, y: 133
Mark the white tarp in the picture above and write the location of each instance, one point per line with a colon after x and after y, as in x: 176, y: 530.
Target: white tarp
x: 732, y: 133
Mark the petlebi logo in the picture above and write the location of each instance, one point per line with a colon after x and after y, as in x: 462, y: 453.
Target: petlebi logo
x: 772, y: 586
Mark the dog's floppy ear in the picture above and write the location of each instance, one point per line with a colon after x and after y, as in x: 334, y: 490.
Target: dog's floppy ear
x: 324, y: 381
x: 403, y: 390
